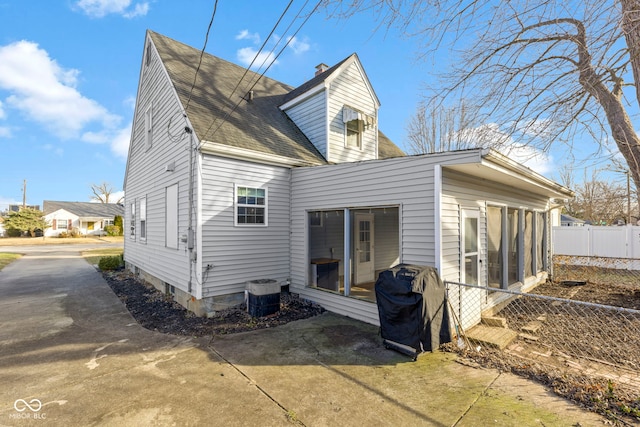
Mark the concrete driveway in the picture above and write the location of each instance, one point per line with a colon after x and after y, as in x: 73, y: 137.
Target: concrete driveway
x: 72, y: 355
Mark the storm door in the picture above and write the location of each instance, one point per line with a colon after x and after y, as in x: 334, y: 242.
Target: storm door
x: 364, y: 268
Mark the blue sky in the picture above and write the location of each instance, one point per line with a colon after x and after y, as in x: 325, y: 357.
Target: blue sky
x: 69, y: 73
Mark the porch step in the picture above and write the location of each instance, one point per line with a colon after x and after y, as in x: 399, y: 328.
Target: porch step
x: 532, y: 327
x: 495, y: 321
x: 490, y: 336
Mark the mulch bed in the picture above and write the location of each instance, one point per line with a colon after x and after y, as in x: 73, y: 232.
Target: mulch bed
x: 158, y: 312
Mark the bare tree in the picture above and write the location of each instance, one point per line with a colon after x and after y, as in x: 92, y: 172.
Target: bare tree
x: 545, y: 70
x: 599, y: 201
x: 103, y: 193
x: 435, y: 128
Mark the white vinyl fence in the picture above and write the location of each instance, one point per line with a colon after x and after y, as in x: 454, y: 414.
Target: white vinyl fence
x: 599, y: 245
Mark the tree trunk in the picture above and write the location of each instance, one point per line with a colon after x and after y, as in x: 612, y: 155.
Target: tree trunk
x: 622, y: 130
x: 631, y: 29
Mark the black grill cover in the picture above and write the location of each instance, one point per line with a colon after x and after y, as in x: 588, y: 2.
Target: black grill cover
x: 412, y: 306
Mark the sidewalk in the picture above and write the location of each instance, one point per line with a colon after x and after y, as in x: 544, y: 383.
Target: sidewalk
x: 71, y: 355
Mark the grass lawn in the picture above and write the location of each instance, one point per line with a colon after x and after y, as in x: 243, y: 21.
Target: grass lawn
x: 7, y: 258
x: 93, y: 256
x: 21, y: 241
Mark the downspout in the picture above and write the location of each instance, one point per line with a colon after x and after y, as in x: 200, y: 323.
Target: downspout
x: 190, y: 236
x: 437, y: 226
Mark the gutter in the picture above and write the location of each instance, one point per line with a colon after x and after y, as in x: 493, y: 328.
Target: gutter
x: 208, y: 147
x: 500, y: 159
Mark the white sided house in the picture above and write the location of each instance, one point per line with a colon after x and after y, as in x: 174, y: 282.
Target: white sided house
x: 226, y: 185
x: 84, y: 218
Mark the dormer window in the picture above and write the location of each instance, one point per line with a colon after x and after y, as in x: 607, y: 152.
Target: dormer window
x: 354, y: 126
x: 354, y: 133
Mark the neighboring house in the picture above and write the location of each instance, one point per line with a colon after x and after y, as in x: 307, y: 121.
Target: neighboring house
x: 1, y: 227
x: 85, y: 218
x: 300, y: 186
x: 569, y: 221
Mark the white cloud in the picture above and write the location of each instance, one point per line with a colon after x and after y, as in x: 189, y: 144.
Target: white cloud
x: 3, y: 115
x: 130, y: 102
x: 298, y: 46
x: 102, y: 8
x: 120, y: 142
x: 490, y: 135
x: 246, y: 35
x: 118, y: 139
x: 6, y: 201
x: 46, y: 93
x: 5, y: 132
x: 246, y: 55
x: 531, y: 157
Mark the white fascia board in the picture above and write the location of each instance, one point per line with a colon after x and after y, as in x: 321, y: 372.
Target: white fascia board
x: 498, y: 161
x: 306, y: 95
x: 223, y: 150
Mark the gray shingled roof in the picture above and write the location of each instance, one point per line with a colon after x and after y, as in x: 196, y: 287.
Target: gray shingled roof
x: 85, y: 209
x: 257, y: 125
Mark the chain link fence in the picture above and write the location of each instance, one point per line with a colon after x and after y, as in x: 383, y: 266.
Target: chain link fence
x: 544, y: 336
x: 558, y: 326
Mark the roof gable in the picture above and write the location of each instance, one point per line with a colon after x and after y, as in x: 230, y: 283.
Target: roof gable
x: 220, y: 117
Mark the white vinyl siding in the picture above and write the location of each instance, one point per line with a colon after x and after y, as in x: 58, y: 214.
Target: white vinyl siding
x: 349, y: 88
x: 462, y: 191
x: 405, y: 183
x: 311, y: 117
x: 239, y: 254
x: 171, y: 217
x: 146, y: 176
x: 148, y: 127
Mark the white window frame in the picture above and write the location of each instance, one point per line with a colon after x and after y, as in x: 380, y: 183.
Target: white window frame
x: 237, y: 206
x: 143, y: 218
x: 360, y: 131
x: 62, y: 221
x: 132, y: 220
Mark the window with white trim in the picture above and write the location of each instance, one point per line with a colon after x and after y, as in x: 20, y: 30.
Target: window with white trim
x: 353, y: 129
x: 143, y: 218
x: 251, y: 206
x: 132, y: 221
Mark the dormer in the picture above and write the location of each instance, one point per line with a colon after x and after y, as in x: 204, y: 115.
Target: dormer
x: 338, y: 112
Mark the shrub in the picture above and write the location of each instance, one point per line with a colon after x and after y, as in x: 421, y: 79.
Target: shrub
x: 112, y: 230
x: 13, y: 232
x: 110, y: 262
x: 63, y: 235
x: 118, y: 222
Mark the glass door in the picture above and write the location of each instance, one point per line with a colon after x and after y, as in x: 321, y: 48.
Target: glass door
x: 470, y: 244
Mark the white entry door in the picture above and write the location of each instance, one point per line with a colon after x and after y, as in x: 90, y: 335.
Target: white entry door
x: 364, y: 269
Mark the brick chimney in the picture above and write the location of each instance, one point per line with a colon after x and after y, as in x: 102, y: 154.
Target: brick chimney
x: 321, y: 68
